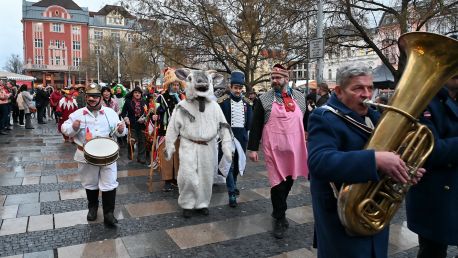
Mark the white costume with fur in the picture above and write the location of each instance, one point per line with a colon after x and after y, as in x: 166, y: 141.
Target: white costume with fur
x: 198, y: 131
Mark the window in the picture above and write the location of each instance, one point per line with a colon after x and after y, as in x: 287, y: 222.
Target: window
x: 56, y: 27
x: 97, y: 49
x: 38, y: 59
x: 329, y: 74
x: 57, y: 60
x: 98, y: 34
x: 76, y: 30
x: 130, y: 38
x: 38, y: 43
x: 76, y: 61
x: 76, y: 45
x: 115, y: 36
x: 57, y: 43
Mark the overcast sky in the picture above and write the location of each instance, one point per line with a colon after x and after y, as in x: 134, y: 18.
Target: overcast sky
x: 11, y: 26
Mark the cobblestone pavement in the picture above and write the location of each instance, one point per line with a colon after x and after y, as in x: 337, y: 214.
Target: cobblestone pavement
x: 43, y: 211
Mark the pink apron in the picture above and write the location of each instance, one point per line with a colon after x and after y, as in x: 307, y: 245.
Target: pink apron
x: 283, y: 142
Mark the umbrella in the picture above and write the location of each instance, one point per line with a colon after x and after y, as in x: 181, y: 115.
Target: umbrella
x: 382, y: 77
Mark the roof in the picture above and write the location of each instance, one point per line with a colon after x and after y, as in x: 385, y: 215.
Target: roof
x: 15, y: 76
x: 109, y: 8
x: 67, y: 4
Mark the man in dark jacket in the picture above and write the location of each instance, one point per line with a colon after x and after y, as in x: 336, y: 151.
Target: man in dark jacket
x: 41, y: 101
x: 432, y: 205
x: 338, y: 133
x: 238, y: 112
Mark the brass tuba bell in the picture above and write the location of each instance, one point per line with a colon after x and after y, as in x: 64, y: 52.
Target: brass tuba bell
x: 367, y: 208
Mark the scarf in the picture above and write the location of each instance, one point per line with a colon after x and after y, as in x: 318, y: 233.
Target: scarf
x: 287, y: 99
x: 136, y: 104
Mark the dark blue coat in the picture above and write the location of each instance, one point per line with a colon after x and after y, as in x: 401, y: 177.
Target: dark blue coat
x: 240, y: 133
x: 336, y: 154
x: 432, y: 204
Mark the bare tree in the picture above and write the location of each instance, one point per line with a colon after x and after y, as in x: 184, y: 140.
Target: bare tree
x: 134, y: 62
x: 13, y: 64
x: 354, y: 22
x: 226, y: 34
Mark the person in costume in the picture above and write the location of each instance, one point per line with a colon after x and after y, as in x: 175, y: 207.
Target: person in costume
x: 83, y: 125
x: 167, y: 102
x: 237, y: 110
x: 278, y: 119
x: 65, y: 107
x: 108, y: 100
x: 197, y: 121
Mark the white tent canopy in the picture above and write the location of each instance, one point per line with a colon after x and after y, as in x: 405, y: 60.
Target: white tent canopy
x: 15, y: 76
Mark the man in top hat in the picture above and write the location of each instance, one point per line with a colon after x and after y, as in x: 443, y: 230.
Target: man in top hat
x: 167, y: 102
x: 83, y: 125
x: 278, y: 120
x: 238, y: 112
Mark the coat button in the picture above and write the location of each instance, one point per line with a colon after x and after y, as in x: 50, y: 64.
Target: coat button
x: 447, y: 187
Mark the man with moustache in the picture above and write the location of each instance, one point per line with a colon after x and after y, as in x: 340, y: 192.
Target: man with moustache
x: 337, y: 134
x: 278, y: 119
x: 87, y: 123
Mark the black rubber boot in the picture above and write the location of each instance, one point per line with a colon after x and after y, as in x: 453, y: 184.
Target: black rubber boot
x: 187, y: 213
x: 108, y: 201
x: 232, y: 200
x: 279, y: 229
x: 92, y: 204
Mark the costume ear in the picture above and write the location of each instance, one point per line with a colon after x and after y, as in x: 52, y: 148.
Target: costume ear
x: 182, y: 73
x: 218, y: 80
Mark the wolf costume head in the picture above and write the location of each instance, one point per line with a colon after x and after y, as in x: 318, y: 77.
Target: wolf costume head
x: 200, y: 84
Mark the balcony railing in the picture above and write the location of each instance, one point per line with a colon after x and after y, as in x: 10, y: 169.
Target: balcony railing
x: 43, y: 67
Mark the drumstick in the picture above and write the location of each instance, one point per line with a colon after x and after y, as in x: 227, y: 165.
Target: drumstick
x: 151, y: 170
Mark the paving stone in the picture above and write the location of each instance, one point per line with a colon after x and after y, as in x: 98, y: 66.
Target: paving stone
x: 106, y: 248
x: 2, y: 199
x: 8, y: 211
x: 31, y: 180
x: 48, y: 179
x: 11, y: 181
x: 22, y: 198
x: 149, y: 244
x: 28, y: 209
x: 13, y: 226
x: 44, y: 254
x: 41, y: 222
x: 70, y: 219
x: 49, y: 196
x: 72, y: 194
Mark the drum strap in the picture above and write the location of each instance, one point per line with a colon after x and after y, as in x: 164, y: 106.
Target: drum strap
x: 79, y: 147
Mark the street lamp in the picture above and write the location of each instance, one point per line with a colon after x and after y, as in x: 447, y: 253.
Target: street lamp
x: 118, y: 45
x: 98, y: 66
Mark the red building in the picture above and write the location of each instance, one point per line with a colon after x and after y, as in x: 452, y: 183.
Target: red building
x: 55, y: 41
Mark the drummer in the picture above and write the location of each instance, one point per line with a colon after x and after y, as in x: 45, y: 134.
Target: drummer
x: 85, y: 124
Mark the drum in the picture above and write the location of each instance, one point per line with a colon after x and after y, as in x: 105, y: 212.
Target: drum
x: 101, y: 151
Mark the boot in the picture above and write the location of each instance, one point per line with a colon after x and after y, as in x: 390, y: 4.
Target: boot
x: 204, y: 211
x: 92, y: 204
x: 284, y: 222
x: 187, y: 213
x: 232, y: 200
x: 108, y: 201
x: 279, y: 229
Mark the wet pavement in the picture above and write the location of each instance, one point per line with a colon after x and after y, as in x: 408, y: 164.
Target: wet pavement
x: 43, y: 211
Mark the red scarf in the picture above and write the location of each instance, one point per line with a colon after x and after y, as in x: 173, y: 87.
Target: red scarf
x: 289, y: 103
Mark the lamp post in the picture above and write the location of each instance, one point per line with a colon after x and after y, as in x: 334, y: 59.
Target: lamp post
x: 118, y: 45
x: 98, y: 66
x: 319, y: 34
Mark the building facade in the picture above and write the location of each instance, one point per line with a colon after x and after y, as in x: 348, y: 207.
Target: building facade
x: 55, y: 35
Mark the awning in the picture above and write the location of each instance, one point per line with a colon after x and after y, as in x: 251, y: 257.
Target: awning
x: 15, y: 76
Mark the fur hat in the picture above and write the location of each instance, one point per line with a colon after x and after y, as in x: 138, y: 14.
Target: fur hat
x: 237, y: 77
x: 170, y: 77
x: 279, y: 69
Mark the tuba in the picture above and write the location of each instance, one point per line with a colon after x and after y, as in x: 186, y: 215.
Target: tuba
x: 367, y: 208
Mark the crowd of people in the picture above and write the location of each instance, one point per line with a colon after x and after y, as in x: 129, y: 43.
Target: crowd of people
x: 319, y: 136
